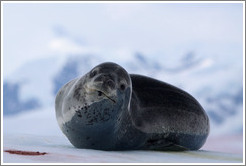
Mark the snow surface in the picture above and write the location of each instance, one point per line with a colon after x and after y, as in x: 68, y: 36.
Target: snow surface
x: 60, y: 151
x: 38, y: 131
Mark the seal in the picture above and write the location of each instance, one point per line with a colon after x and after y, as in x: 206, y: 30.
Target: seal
x: 109, y: 109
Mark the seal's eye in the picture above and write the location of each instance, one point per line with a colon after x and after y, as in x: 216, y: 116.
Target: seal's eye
x: 122, y: 87
x: 93, y: 73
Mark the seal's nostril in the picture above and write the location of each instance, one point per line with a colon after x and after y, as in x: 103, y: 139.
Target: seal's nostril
x: 99, y: 93
x: 111, y: 84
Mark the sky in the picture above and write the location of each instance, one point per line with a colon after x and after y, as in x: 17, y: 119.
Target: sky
x: 38, y: 30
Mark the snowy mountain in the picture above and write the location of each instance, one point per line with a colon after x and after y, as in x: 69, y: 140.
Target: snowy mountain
x: 219, y: 89
x: 12, y: 102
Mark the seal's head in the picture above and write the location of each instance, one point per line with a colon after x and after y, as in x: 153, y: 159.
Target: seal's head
x: 107, y: 81
x: 89, y: 108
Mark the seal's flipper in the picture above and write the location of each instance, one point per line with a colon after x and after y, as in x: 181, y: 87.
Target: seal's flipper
x: 162, y: 144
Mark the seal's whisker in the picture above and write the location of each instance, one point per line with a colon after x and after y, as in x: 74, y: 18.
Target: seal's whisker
x: 102, y: 93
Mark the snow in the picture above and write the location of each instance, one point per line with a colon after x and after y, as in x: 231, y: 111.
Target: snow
x: 60, y: 151
x: 38, y: 131
x: 37, y: 74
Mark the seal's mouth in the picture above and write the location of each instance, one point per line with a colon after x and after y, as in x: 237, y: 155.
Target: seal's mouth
x: 100, y: 93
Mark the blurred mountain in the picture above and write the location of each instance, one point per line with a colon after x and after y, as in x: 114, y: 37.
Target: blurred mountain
x: 218, y: 88
x: 12, y: 104
x: 75, y: 66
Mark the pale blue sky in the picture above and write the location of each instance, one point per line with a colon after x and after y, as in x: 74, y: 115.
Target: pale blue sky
x: 38, y: 30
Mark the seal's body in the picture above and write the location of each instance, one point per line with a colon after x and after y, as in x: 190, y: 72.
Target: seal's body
x: 109, y: 109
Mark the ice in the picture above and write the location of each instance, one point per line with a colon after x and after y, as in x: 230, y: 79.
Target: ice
x: 59, y: 150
